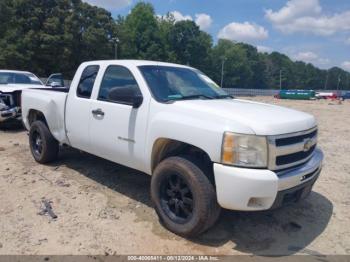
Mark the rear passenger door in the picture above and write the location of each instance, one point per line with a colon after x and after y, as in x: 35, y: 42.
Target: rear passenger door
x: 78, y: 108
x: 117, y: 129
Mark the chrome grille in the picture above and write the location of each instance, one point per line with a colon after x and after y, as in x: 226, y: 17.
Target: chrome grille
x: 7, y: 99
x: 289, y: 150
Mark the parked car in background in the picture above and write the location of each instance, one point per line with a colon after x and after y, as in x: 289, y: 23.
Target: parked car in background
x: 204, y: 149
x: 345, y: 96
x: 12, y: 83
x: 55, y: 81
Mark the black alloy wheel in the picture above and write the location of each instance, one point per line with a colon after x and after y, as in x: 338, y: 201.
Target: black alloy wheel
x: 183, y: 196
x: 37, y: 143
x: 176, y: 198
x: 43, y: 145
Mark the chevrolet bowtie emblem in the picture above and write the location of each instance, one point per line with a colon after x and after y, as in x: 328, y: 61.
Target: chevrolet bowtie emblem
x: 307, y: 144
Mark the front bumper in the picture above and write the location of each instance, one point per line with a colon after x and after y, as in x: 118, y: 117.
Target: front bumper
x: 8, y: 114
x: 261, y: 189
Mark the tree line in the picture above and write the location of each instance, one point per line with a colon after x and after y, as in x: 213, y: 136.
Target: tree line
x: 47, y: 36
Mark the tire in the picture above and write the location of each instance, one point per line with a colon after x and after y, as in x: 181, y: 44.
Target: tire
x: 43, y: 146
x: 179, y: 182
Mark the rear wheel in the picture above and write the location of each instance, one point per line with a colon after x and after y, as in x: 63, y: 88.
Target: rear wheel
x: 43, y: 145
x: 184, y: 198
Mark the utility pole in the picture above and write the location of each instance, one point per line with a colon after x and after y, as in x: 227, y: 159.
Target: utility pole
x: 325, y: 84
x: 338, y: 85
x: 281, y: 79
x: 116, y: 41
x: 222, y: 71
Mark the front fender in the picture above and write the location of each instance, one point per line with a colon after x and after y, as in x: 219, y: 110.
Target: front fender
x: 185, y: 129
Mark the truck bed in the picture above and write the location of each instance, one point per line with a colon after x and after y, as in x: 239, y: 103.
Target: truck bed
x: 51, y: 102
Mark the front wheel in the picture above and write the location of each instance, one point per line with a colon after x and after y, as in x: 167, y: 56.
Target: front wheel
x: 43, y: 145
x: 184, y: 198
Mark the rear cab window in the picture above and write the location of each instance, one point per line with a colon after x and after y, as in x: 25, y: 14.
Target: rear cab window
x: 87, y: 81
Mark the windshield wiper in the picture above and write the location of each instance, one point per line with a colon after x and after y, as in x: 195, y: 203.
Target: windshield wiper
x: 224, y: 96
x: 181, y: 97
x: 196, y: 96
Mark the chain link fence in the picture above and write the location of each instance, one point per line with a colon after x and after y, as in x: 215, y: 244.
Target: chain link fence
x: 269, y: 92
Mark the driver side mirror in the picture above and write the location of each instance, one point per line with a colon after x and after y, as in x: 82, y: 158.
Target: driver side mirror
x: 55, y: 84
x: 128, y: 95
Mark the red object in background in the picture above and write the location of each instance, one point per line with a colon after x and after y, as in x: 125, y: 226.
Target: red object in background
x: 333, y: 96
x: 327, y: 95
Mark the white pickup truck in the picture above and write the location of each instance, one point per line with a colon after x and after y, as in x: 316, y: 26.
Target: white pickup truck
x: 204, y: 149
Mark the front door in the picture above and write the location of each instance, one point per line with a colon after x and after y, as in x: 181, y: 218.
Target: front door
x: 117, y: 130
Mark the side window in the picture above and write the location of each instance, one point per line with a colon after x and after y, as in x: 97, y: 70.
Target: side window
x: 118, y: 85
x: 87, y: 81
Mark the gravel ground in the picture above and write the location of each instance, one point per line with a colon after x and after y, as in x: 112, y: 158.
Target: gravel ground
x: 104, y: 208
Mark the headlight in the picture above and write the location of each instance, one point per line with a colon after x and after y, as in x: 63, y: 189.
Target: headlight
x: 244, y: 150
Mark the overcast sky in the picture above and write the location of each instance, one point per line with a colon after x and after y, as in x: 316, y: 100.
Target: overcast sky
x: 316, y: 31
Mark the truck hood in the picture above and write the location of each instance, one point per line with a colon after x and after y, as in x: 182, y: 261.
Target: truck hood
x: 9, y: 88
x: 263, y: 119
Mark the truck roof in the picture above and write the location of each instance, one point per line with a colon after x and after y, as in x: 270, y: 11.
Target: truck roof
x: 134, y: 62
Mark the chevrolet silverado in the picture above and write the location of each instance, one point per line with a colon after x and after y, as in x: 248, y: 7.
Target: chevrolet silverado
x: 204, y: 149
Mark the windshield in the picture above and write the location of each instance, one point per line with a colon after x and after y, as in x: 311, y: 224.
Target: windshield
x: 19, y: 78
x: 177, y: 83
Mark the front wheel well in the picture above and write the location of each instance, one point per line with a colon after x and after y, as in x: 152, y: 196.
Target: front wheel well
x: 164, y: 148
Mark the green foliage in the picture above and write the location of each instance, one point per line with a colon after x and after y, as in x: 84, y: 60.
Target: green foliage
x: 141, y: 36
x: 237, y: 69
x: 47, y: 36
x: 190, y: 45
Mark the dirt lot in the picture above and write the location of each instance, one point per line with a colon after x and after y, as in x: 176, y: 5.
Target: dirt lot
x: 104, y: 208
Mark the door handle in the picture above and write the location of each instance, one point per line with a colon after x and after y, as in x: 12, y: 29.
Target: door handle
x: 98, y: 112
